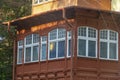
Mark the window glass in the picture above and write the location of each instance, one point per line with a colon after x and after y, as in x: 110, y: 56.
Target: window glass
x: 52, y: 50
x: 28, y: 54
x: 20, y: 51
x: 113, y: 35
x: 35, y: 53
x: 35, y: 1
x: 108, y: 46
x: 28, y: 39
x: 36, y: 38
x: 91, y: 32
x: 61, y: 33
x: 20, y: 43
x: 44, y: 48
x: 82, y: 47
x: 92, y: 48
x: 61, y: 48
x: 87, y: 39
x: 53, y: 34
x: 57, y: 43
x: 103, y: 49
x: 82, y: 31
x: 69, y: 47
x: 112, y: 51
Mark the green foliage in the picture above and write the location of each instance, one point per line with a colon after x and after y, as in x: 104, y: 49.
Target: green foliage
x: 9, y: 10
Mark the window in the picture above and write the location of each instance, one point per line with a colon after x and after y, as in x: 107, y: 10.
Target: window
x: 57, y: 43
x: 69, y: 44
x: 108, y: 44
x: 20, y: 52
x: 87, y: 42
x: 31, y: 48
x: 43, y: 48
x: 40, y: 1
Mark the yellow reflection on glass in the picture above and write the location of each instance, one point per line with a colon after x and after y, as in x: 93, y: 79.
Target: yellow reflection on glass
x: 51, y: 46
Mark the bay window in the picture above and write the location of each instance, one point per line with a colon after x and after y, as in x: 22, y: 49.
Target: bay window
x: 57, y: 43
x: 31, y: 48
x: 108, y: 44
x: 87, y: 42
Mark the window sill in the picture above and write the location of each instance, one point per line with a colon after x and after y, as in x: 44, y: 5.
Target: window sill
x: 104, y: 59
x: 87, y: 57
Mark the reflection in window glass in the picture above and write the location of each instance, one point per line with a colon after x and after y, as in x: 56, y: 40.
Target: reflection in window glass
x: 52, y: 50
x: 35, y: 53
x: 36, y: 38
x: 57, y: 43
x: 61, y: 48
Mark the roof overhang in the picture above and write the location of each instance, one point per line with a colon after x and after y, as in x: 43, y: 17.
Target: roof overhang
x: 56, y: 15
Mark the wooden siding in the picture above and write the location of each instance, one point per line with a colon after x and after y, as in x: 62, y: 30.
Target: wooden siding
x: 58, y: 4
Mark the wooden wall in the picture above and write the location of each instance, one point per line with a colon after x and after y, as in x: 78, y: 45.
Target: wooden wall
x: 57, y: 4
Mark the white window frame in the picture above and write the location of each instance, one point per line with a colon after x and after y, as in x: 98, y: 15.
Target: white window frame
x: 57, y: 41
x: 87, y: 39
x: 38, y: 2
x: 19, y: 47
x: 108, y: 41
x: 31, y: 46
x: 43, y: 42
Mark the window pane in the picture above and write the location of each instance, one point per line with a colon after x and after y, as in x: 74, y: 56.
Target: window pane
x: 103, y: 34
x: 44, y: 38
x: 91, y: 32
x: 35, y: 1
x: 40, y: 1
x: 35, y: 53
x: 103, y: 49
x: 44, y: 48
x: 20, y: 43
x: 61, y: 33
x: 113, y: 51
x: 61, y: 48
x: 29, y: 39
x: 52, y: 49
x: 28, y: 54
x: 53, y: 34
x: 82, y: 31
x: 92, y: 48
x: 82, y: 47
x: 69, y: 48
x: 36, y: 38
x: 113, y: 35
x: 19, y: 56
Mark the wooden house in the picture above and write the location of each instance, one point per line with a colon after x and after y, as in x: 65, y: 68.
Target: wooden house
x: 68, y: 40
